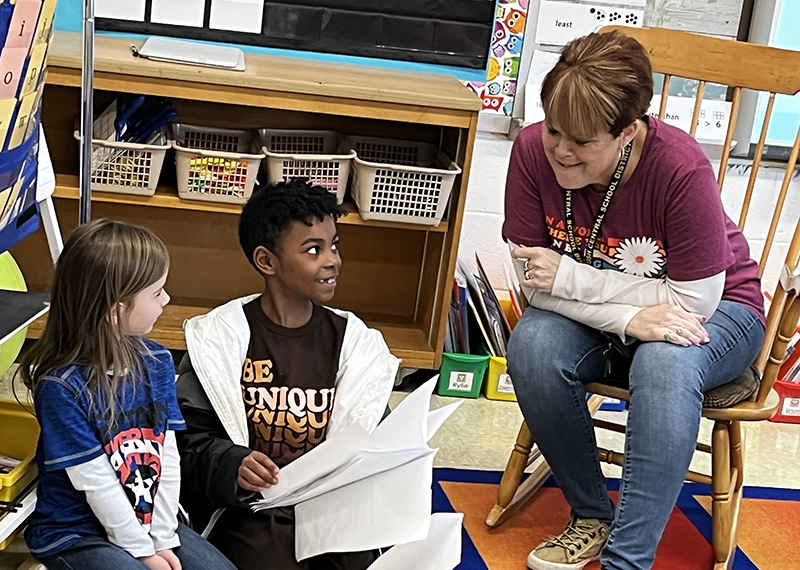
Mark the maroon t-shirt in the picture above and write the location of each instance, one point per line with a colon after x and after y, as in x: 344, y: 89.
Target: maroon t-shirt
x: 666, y: 220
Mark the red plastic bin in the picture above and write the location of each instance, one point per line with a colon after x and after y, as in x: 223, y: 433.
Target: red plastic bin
x: 789, y: 407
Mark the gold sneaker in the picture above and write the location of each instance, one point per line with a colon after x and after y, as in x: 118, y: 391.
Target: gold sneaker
x: 579, y: 543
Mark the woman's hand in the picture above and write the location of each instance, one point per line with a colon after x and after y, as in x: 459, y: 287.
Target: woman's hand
x: 257, y: 472
x: 154, y: 562
x: 668, y: 323
x: 171, y: 558
x: 541, y: 266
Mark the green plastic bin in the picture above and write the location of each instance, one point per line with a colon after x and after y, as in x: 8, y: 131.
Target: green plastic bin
x: 462, y: 374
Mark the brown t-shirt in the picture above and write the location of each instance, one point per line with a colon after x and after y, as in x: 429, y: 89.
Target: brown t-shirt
x: 288, y: 381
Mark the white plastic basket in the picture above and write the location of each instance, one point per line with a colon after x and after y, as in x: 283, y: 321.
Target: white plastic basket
x: 400, y: 181
x: 217, y: 165
x: 307, y: 154
x: 127, y: 168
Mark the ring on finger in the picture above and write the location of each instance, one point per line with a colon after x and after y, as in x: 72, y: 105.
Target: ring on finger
x: 679, y: 330
x: 667, y: 337
x: 526, y: 275
x: 526, y: 266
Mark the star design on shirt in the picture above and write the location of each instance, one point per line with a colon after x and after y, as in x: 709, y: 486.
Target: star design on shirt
x: 639, y: 256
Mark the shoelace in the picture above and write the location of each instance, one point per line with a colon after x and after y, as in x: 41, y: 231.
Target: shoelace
x: 575, y: 534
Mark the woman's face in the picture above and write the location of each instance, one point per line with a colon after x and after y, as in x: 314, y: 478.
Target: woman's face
x: 580, y: 163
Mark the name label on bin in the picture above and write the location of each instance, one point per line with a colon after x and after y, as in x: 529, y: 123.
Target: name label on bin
x: 504, y: 385
x: 791, y: 407
x: 461, y: 381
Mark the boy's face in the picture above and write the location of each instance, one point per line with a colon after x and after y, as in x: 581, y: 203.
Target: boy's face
x: 307, y: 262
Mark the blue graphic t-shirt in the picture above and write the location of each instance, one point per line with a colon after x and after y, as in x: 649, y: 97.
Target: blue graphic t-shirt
x: 72, y: 434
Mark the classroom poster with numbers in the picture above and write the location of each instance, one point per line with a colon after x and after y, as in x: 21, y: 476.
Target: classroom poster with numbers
x: 498, y: 91
x: 560, y: 22
x: 712, y: 120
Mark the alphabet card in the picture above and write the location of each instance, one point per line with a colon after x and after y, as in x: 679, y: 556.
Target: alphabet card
x: 27, y: 106
x: 7, y: 108
x: 560, y: 22
x: 11, y: 62
x: 45, y: 21
x: 23, y: 23
x: 34, y: 71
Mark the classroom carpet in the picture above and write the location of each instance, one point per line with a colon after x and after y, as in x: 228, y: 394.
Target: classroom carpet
x: 769, y: 523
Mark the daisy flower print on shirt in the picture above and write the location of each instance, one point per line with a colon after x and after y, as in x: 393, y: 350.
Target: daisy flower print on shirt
x: 639, y: 256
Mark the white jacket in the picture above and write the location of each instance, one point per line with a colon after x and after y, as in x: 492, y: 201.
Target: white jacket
x: 217, y: 344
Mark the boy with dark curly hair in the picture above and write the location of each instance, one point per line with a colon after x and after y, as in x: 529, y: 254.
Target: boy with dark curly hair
x: 268, y: 377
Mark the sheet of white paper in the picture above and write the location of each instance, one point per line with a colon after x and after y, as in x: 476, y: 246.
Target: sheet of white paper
x: 370, y: 462
x: 534, y: 112
x: 436, y: 418
x: 560, y: 22
x: 46, y: 178
x: 178, y: 12
x: 441, y: 549
x: 132, y: 10
x: 621, y: 2
x: 324, y: 461
x: 366, y: 464
x: 393, y: 507
x: 354, y: 454
x: 403, y: 428
x: 237, y: 15
x: 541, y: 64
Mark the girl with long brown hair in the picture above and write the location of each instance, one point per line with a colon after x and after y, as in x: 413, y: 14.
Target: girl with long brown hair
x: 109, y: 472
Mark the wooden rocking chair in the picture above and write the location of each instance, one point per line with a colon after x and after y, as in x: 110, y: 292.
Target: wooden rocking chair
x: 737, y: 65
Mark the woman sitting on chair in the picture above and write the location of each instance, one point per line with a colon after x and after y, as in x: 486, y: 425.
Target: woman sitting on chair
x: 618, y: 234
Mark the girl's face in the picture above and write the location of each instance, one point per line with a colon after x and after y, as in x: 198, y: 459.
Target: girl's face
x: 137, y: 317
x: 581, y: 163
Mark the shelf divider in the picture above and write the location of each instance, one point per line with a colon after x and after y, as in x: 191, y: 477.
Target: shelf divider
x: 167, y: 197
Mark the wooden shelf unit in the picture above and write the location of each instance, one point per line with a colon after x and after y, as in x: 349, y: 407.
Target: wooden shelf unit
x: 396, y: 276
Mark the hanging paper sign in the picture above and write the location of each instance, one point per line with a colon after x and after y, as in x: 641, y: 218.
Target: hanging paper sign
x: 541, y: 64
x: 712, y: 121
x: 561, y: 22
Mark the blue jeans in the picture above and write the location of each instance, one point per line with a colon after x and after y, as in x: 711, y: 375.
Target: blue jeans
x: 97, y: 553
x: 550, y: 357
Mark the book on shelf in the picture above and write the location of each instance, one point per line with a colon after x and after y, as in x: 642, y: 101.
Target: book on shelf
x: 476, y: 322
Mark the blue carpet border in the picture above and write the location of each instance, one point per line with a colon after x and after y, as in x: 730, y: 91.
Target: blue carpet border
x: 441, y: 504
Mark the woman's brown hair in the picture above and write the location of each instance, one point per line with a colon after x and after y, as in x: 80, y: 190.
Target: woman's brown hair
x: 602, y: 82
x: 104, y: 263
